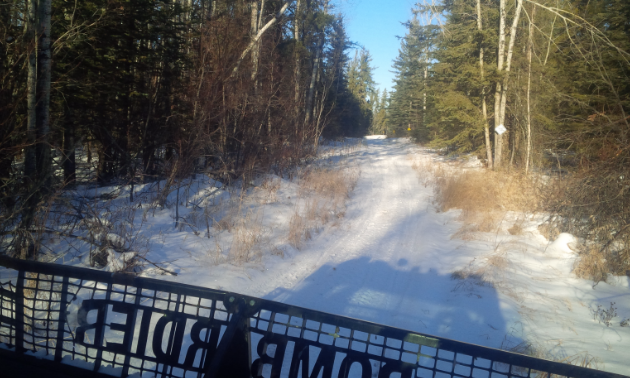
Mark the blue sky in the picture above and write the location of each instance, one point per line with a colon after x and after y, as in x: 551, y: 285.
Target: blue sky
x: 375, y: 24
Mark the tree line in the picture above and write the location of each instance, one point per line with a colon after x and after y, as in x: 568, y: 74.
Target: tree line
x: 555, y: 74
x: 125, y: 91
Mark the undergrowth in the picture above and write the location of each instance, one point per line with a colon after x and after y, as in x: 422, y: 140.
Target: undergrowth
x: 485, y: 196
x: 322, y: 196
x: 593, y: 204
x: 486, y: 191
x: 488, y: 271
x: 582, y: 359
x: 241, y: 233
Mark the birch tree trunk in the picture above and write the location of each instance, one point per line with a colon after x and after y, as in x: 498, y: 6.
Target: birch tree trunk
x: 42, y: 109
x: 428, y: 20
x: 23, y: 245
x: 317, y: 117
x: 311, y: 88
x: 484, y: 109
x: 316, y: 63
x: 37, y: 159
x: 501, y: 96
x: 550, y: 38
x: 424, y: 95
x: 260, y: 16
x: 296, y: 52
x: 256, y: 47
x: 30, y: 164
x: 316, y: 104
x: 498, y: 141
x: 529, y: 85
x: 508, y: 62
x: 410, y: 111
x: 255, y: 40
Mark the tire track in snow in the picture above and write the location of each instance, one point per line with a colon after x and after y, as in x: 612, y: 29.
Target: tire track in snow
x: 375, y: 229
x: 390, y: 260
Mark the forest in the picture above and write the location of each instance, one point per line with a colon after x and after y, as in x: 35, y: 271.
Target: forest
x: 129, y: 91
x: 243, y: 146
x: 556, y: 75
x: 124, y: 92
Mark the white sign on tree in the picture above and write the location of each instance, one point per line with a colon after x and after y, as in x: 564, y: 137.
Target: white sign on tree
x: 500, y: 129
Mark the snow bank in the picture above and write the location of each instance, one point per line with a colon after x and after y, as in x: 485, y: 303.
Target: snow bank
x: 562, y: 249
x: 375, y: 137
x: 472, y: 162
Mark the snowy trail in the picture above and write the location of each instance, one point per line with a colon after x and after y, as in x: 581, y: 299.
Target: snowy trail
x: 390, y: 261
x: 387, y: 263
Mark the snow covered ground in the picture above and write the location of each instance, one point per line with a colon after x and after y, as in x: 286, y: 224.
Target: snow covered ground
x: 389, y: 257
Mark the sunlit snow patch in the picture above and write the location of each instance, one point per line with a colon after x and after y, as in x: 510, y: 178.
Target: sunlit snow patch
x: 563, y: 249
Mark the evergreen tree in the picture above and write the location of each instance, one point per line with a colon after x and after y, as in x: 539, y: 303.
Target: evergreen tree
x: 360, y: 80
x: 456, y: 83
x: 559, y: 73
x: 360, y: 91
x: 413, y: 70
x: 157, y: 89
x: 379, y: 110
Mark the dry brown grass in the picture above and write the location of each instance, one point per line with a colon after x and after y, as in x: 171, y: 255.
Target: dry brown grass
x: 485, y: 196
x: 322, y: 196
x: 549, y: 231
x: 517, y: 228
x: 225, y: 223
x: 427, y: 170
x: 482, y: 190
x: 593, y: 204
x: 298, y: 231
x: 240, y: 235
x: 332, y: 184
x: 591, y: 264
x: 488, y: 271
x: 583, y: 359
x: 231, y: 213
x: 277, y: 251
x: 247, y: 239
x: 268, y: 189
x: 238, y: 231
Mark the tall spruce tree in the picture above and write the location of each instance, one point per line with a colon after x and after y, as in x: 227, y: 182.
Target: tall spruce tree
x: 559, y: 73
x: 361, y: 88
x: 379, y: 111
x: 406, y: 111
x: 457, y: 85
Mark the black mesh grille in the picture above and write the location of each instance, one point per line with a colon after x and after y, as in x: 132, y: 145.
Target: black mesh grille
x: 122, y: 325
